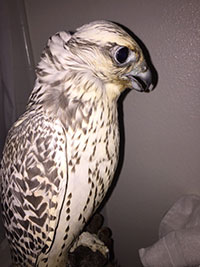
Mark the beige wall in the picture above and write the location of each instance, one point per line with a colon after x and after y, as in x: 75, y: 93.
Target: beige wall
x: 162, y: 129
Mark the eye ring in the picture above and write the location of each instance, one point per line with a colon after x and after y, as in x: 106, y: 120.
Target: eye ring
x: 122, y: 54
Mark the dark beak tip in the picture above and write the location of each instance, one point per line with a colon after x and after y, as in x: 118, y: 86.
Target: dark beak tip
x: 149, y: 88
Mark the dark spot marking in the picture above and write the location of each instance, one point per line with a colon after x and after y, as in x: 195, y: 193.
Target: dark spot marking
x: 102, y: 124
x: 94, y: 150
x: 20, y: 211
x: 78, y: 160
x: 65, y: 237
x: 38, y: 221
x: 21, y: 183
x: 43, y: 235
x: 68, y: 210
x: 32, y: 183
x: 32, y: 172
x: 61, y: 174
x: 84, y: 220
x: 57, y: 183
x: 38, y: 229
x: 73, y: 169
x: 95, y: 195
x: 76, y: 155
x: 24, y: 223
x: 53, y: 218
x: 35, y: 201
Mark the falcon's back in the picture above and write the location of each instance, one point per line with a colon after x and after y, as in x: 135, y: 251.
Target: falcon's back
x: 31, y: 186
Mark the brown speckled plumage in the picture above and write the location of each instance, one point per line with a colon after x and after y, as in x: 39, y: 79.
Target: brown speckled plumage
x: 60, y: 156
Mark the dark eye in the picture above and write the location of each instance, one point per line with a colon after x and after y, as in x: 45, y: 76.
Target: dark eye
x: 122, y: 54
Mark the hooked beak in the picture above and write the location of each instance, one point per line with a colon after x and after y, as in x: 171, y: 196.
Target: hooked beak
x: 141, y: 81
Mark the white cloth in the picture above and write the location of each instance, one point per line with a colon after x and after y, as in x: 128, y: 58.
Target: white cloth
x: 179, y: 233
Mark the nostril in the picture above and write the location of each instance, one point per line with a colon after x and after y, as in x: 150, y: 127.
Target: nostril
x: 144, y: 68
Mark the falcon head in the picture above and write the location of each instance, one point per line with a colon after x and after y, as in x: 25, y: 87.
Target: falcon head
x: 97, y: 55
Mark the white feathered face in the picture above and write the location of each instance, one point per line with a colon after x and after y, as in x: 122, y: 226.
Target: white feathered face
x: 100, y: 52
x: 112, y: 54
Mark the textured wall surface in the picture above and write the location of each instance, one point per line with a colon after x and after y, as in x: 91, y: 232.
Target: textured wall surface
x: 162, y: 129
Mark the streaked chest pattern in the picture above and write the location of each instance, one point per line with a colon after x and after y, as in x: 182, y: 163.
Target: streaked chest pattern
x: 92, y: 156
x: 92, y: 151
